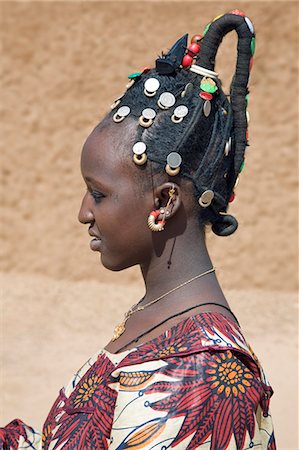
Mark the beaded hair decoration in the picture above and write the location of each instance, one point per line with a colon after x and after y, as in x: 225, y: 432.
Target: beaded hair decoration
x: 225, y: 152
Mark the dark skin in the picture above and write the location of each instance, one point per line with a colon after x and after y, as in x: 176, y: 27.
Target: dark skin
x: 116, y: 210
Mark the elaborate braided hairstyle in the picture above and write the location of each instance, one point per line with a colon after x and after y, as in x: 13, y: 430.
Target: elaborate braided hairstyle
x: 187, y: 124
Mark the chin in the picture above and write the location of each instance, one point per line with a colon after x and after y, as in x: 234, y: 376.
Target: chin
x: 115, y: 266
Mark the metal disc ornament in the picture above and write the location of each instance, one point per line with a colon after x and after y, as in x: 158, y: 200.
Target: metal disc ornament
x: 249, y: 24
x: 166, y: 100
x: 207, y: 108
x: 181, y: 111
x: 149, y: 113
x: 228, y: 146
x: 188, y: 88
x: 152, y: 85
x: 123, y: 111
x: 174, y: 160
x: 139, y: 148
x: 206, y: 198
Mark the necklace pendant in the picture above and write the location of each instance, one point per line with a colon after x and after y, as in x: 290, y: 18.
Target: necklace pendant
x: 118, y: 331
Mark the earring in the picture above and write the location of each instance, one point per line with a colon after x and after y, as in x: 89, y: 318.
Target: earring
x: 151, y: 221
x: 153, y: 216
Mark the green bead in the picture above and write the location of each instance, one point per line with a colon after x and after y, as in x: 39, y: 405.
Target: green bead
x: 242, y: 166
x: 206, y: 28
x: 134, y: 75
x: 207, y: 87
x: 247, y: 98
x: 252, y: 46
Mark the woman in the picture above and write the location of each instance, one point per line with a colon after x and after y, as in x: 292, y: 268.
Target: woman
x: 159, y: 169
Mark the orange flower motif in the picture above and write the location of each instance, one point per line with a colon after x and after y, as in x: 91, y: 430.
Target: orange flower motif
x: 87, y: 389
x: 228, y: 375
x: 170, y: 349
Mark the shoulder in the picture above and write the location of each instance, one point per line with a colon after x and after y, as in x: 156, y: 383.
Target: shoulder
x: 208, y: 396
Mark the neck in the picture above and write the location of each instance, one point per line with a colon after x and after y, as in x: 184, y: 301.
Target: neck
x: 175, y: 260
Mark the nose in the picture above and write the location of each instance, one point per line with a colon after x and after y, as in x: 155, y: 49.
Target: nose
x: 85, y: 213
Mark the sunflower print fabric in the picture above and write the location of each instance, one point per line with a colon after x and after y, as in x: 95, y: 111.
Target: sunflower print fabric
x: 197, y: 386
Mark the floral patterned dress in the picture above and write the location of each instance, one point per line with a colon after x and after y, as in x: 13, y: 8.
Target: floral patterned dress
x: 196, y: 386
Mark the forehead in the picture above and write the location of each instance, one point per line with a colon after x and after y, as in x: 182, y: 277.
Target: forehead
x: 106, y: 154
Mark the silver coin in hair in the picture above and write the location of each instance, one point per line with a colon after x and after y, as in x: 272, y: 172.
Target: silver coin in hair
x: 151, y: 86
x: 228, y: 146
x: 181, y: 111
x: 149, y: 113
x: 174, y: 160
x: 207, y: 108
x: 139, y: 148
x: 121, y: 113
x: 249, y: 24
x: 206, y: 198
x: 166, y: 100
x: 188, y: 88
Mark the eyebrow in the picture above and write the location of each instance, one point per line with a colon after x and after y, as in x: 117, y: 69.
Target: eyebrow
x: 91, y: 180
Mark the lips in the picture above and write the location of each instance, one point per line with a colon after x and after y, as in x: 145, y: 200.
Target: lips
x: 96, y: 242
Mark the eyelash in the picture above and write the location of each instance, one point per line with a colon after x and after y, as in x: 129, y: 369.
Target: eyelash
x: 97, y: 196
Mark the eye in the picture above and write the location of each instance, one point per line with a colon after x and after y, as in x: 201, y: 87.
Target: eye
x: 97, y: 196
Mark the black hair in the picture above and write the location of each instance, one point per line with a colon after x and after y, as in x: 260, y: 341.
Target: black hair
x: 212, y: 146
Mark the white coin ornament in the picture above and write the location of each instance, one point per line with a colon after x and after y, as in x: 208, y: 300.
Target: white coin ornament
x: 247, y: 116
x: 174, y: 159
x: 207, y: 108
x: 139, y: 148
x: 188, y: 88
x: 206, y: 198
x: 166, y: 100
x: 149, y: 113
x: 147, y: 117
x: 249, y: 24
x: 151, y: 86
x: 181, y: 111
x: 115, y: 103
x: 121, y: 113
x: 228, y: 146
x: 130, y: 83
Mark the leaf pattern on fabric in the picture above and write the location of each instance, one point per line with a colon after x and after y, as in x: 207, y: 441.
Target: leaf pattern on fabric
x: 144, y: 435
x: 224, y: 392
x: 199, y: 383
x: 134, y: 380
x: 85, y: 418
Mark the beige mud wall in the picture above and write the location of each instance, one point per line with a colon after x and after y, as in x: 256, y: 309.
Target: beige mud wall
x: 63, y: 64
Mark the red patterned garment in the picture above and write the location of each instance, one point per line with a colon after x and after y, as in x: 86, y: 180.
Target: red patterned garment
x: 196, y: 386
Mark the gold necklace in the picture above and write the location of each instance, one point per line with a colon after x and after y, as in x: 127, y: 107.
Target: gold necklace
x: 120, y: 329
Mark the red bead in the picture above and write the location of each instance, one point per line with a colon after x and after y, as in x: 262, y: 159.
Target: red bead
x: 237, y: 12
x: 145, y: 69
x: 232, y: 197
x: 206, y: 95
x: 250, y: 63
x: 194, y: 49
x: 156, y: 213
x: 187, y: 61
x: 196, y: 39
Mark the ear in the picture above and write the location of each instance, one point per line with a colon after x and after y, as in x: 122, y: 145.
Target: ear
x: 163, y: 197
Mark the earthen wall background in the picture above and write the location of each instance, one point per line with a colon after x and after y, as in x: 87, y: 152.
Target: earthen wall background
x: 63, y: 64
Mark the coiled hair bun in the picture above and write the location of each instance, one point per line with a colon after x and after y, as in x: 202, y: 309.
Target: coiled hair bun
x: 186, y: 113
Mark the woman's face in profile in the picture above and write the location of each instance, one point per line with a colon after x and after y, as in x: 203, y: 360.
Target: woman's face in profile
x: 115, y: 206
